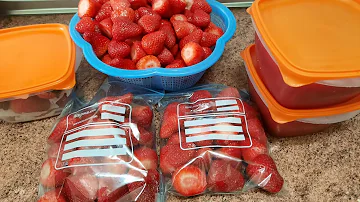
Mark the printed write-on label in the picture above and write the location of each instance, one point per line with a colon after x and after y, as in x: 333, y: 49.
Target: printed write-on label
x: 214, y: 120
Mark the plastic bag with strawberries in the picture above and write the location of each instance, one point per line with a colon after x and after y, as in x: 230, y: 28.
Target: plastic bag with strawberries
x: 213, y: 142
x: 104, y: 150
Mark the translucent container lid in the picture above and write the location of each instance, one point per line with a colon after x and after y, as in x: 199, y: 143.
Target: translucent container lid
x: 281, y: 114
x: 311, y: 40
x: 35, y: 59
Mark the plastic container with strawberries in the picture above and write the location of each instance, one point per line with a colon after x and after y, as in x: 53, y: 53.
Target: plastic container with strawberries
x: 285, y: 122
x: 37, y: 71
x: 308, y: 51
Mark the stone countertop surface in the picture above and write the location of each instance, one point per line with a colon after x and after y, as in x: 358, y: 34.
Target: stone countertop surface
x: 319, y: 167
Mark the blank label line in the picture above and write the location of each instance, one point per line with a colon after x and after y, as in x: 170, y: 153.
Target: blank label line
x: 96, y: 132
x: 95, y: 143
x: 198, y: 138
x: 112, y: 108
x: 94, y: 153
x: 105, y: 115
x: 208, y: 121
x: 214, y: 128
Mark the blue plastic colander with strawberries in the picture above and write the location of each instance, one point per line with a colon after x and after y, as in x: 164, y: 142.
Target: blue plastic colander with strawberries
x: 163, y: 78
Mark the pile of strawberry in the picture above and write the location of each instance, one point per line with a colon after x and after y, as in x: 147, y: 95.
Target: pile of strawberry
x: 141, y: 34
x: 215, y: 169
x: 105, y: 182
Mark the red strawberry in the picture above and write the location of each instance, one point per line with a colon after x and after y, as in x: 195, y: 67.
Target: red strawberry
x: 127, y: 13
x: 201, y: 5
x: 222, y: 177
x: 106, y: 27
x: 200, y: 18
x: 81, y: 187
x: 146, y: 189
x: 124, y: 29
x: 130, y: 41
x: 100, y: 45
x: 250, y: 111
x: 66, y: 122
x: 54, y: 195
x: 47, y: 95
x: 189, y: 3
x: 200, y: 94
x: 189, y: 181
x: 177, y: 6
x: 256, y: 149
x: 105, y: 195
x: 165, y: 22
x: 137, y: 52
x: 173, y: 157
x: 231, y: 152
x: 256, y: 130
x: 178, y: 63
x: 123, y: 63
x: 87, y: 8
x: 119, y: 4
x: 147, y: 62
x: 153, y: 43
x: 213, y: 29
x: 174, y: 50
x: 169, y: 125
x: 135, y: 4
x: 205, y: 157
x: 193, y: 37
x: 146, y: 158
x: 88, y: 36
x: 192, y: 53
x: 86, y: 24
x: 142, y: 115
x: 137, y: 16
x: 183, y: 29
x: 29, y: 105
x: 178, y: 17
x: 79, y: 170
x: 106, y: 59
x: 208, y: 39
x: 207, y: 52
x: 127, y: 98
x: 165, y: 57
x: 150, y: 23
x: 178, y: 56
x: 162, y: 7
x: 118, y: 49
x: 104, y: 12
x: 229, y: 92
x: 168, y: 30
x: 101, y: 1
x: 146, y: 138
x: 174, y: 139
x: 49, y: 176
x: 145, y: 11
x: 53, y: 150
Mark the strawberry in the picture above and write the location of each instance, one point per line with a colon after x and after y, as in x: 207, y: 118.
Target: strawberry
x: 29, y: 105
x: 178, y: 63
x: 165, y: 22
x: 229, y: 92
x: 106, y: 27
x: 58, y: 131
x: 137, y: 16
x: 231, y: 152
x: 248, y: 154
x: 146, y: 158
x: 208, y: 39
x: 165, y: 57
x: 207, y: 52
x: 123, y: 63
x: 201, y: 5
x: 79, y: 170
x: 146, y: 138
x: 126, y: 98
x: 135, y: 4
x: 177, y: 6
x: 106, y: 59
x: 189, y: 3
x: 49, y: 176
x: 104, y: 12
x: 100, y: 45
x: 119, y: 4
x: 88, y: 36
x: 213, y: 29
x: 81, y: 187
x: 189, y: 181
x: 183, y: 29
x: 153, y: 43
x: 178, y: 17
x: 146, y: 189
x: 222, y: 177
x: 192, y: 53
x: 250, y: 111
x: 87, y: 8
x: 200, y: 94
x: 101, y: 1
x: 86, y: 24
x: 174, y: 50
x: 54, y: 195
x: 124, y: 29
x: 169, y: 120
x: 148, y: 61
x: 142, y: 115
x: 47, y: 95
x: 193, y: 37
x: 115, y: 165
x: 118, y: 49
x: 145, y: 11
x: 167, y: 28
x: 53, y: 150
x: 256, y: 130
x: 205, y: 157
x: 175, y: 139
x: 178, y: 56
x: 127, y: 13
x: 105, y: 195
x: 173, y: 157
x: 130, y: 41
x: 150, y: 23
x: 161, y: 7
x: 137, y: 52
x: 200, y: 18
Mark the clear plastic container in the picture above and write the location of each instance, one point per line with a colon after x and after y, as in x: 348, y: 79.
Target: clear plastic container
x: 37, y: 72
x: 305, y: 51
x: 283, y: 122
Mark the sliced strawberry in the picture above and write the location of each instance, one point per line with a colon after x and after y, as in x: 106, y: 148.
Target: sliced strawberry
x: 142, y: 115
x: 189, y: 181
x: 53, y: 150
x: 86, y: 24
x: 222, y: 177
x: 162, y: 7
x: 124, y: 29
x: 147, y: 62
x: 165, y: 57
x: 173, y: 157
x: 256, y: 130
x: 81, y: 187
x: 119, y: 4
x: 145, y: 11
x: 123, y: 63
x: 104, y: 12
x: 201, y: 5
x: 49, y: 176
x: 106, y: 59
x: 64, y: 123
x: 168, y: 30
x: 106, y: 27
x: 145, y: 190
x: 208, y: 39
x: 178, y: 17
x: 200, y: 18
x: 193, y: 37
x: 178, y: 63
x: 150, y: 23
x: 87, y: 8
x: 192, y: 53
x: 88, y: 36
x: 54, y: 195
x: 248, y: 154
x: 174, y: 50
x: 29, y: 105
x: 183, y: 29
x: 213, y: 29
x: 177, y: 6
x: 229, y: 92
x: 135, y: 4
x: 100, y: 45
x: 146, y: 158
x: 207, y: 52
x: 127, y: 13
x: 105, y: 195
x: 118, y: 49
x: 126, y: 98
x: 137, y: 52
x: 47, y: 95
x: 153, y: 43
x: 175, y: 139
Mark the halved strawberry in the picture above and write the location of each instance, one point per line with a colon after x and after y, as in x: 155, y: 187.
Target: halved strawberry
x: 147, y: 62
x: 200, y: 18
x: 248, y: 154
x: 86, y: 24
x: 54, y: 195
x: 178, y: 63
x: 201, y: 5
x: 124, y: 29
x: 165, y: 57
x: 153, y: 43
x: 208, y: 39
x: 87, y: 8
x: 100, y: 45
x: 106, y: 27
x: 123, y: 63
x: 193, y: 37
x: 229, y: 92
x: 105, y: 195
x: 145, y: 11
x: 106, y: 59
x: 118, y: 49
x: 51, y: 177
x: 146, y: 158
x: 173, y: 157
x: 130, y: 41
x: 53, y: 150
x: 178, y: 17
x: 189, y: 181
x: 81, y: 187
x: 127, y: 13
x: 162, y: 7
x: 177, y: 6
x: 174, y: 50
x: 207, y: 52
x: 104, y: 12
x: 142, y: 115
x: 175, y: 139
x: 150, y: 23
x: 135, y: 4
x: 119, y: 4
x: 168, y: 30
x: 126, y: 98
x: 192, y: 53
x: 213, y: 29
x: 183, y: 29
x: 256, y: 130
x: 137, y: 52
x: 146, y: 189
x: 29, y: 105
x: 88, y: 36
x: 204, y: 155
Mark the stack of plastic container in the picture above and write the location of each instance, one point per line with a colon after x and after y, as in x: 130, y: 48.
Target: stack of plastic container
x: 304, y: 69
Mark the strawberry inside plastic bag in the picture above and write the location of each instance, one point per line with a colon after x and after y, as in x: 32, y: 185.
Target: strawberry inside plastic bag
x: 213, y: 142
x: 105, y: 150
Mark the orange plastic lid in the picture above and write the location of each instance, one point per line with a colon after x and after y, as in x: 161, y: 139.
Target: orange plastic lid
x: 311, y: 40
x: 281, y: 114
x: 35, y: 59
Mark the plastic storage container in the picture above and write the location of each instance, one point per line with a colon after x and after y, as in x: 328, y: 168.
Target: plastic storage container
x: 37, y: 71
x: 308, y: 49
x: 161, y: 78
x: 284, y: 122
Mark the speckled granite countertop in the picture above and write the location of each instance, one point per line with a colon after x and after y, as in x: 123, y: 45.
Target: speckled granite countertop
x: 321, y: 167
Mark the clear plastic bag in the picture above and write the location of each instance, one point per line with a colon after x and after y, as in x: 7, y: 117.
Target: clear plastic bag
x: 212, y: 141
x: 104, y: 150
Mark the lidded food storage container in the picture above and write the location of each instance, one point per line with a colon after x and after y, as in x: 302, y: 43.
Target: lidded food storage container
x: 284, y: 122
x: 308, y: 49
x: 37, y: 72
